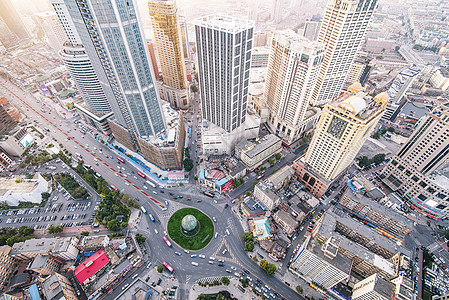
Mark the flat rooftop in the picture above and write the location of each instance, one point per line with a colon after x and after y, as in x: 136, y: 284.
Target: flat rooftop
x: 41, y: 246
x: 260, y: 146
x: 224, y: 23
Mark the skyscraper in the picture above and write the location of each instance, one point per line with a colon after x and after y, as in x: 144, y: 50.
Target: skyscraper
x: 416, y: 171
x: 75, y: 58
x: 345, y: 124
x: 50, y: 24
x: 224, y: 59
x: 293, y: 65
x: 343, y: 28
x: 168, y: 41
x: 112, y: 36
x: 12, y: 19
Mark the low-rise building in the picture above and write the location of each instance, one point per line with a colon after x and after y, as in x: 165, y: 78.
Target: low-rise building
x: 5, y: 161
x: 286, y: 221
x: 279, y: 179
x: 45, y: 265
x: 64, y: 248
x: 321, y: 265
x: 252, y: 208
x: 373, y: 287
x: 57, y: 287
x: 16, y: 142
x: 91, y: 266
x: 93, y: 243
x: 260, y: 228
x: 17, y: 189
x: 255, y: 154
x: 265, y: 196
x: 7, y: 266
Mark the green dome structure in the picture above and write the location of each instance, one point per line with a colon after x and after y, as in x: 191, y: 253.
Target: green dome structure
x: 189, y: 223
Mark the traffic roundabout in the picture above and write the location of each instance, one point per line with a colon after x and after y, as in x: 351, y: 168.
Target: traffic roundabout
x: 190, y: 228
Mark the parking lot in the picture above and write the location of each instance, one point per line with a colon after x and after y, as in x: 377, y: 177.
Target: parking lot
x: 61, y: 208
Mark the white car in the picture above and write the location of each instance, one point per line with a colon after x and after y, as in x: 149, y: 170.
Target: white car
x: 155, y: 231
x: 145, y: 187
x: 194, y: 263
x: 127, y: 183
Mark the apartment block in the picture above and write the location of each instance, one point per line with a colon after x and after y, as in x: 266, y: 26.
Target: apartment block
x: 265, y: 196
x: 7, y: 266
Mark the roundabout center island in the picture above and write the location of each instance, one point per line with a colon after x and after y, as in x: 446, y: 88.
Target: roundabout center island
x: 190, y: 228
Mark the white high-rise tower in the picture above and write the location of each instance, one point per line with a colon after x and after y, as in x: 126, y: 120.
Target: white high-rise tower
x: 224, y: 59
x: 342, y: 30
x: 293, y: 66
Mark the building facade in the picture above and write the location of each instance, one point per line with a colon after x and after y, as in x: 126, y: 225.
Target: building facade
x: 112, y: 35
x: 373, y: 287
x: 415, y: 171
x: 293, y: 66
x: 57, y: 286
x: 343, y: 128
x: 268, y: 198
x: 12, y: 19
x: 255, y: 154
x: 7, y: 266
x: 342, y: 31
x: 224, y: 47
x: 168, y: 42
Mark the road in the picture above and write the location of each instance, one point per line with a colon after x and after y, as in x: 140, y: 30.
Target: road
x: 123, y: 176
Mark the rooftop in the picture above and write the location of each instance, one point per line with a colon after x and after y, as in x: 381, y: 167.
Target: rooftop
x: 330, y: 220
x: 340, y: 261
x: 91, y: 266
x: 52, y: 288
x: 281, y: 175
x: 262, y: 228
x: 261, y: 145
x: 253, y: 206
x: 41, y: 246
x: 287, y: 218
x: 39, y: 262
x: 224, y: 23
x: 415, y: 110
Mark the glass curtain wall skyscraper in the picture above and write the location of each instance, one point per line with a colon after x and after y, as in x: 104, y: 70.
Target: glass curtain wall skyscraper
x: 343, y: 29
x: 112, y: 35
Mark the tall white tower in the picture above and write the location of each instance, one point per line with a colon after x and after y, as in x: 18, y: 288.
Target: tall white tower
x: 75, y: 58
x: 342, y: 31
x: 224, y: 59
x: 293, y: 66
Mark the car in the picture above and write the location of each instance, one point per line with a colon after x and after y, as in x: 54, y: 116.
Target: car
x: 188, y: 199
x: 145, y: 187
x: 149, y: 265
x: 229, y: 271
x: 178, y: 253
x: 234, y: 268
x: 186, y: 251
x: 194, y: 263
x: 193, y: 255
x: 215, y: 220
x: 202, y: 256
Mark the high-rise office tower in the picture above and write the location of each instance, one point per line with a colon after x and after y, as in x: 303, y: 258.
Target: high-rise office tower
x: 113, y: 39
x: 75, y: 58
x: 276, y: 11
x: 50, y: 24
x: 343, y: 28
x: 345, y: 124
x: 417, y: 171
x: 293, y: 65
x: 7, y: 123
x: 224, y: 59
x: 168, y: 41
x: 12, y: 19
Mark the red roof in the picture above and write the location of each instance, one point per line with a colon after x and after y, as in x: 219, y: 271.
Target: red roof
x: 91, y: 266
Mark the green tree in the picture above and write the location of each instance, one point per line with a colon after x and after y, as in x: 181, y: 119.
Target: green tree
x: 113, y: 225
x: 247, y: 193
x: 25, y: 230
x: 378, y: 158
x: 216, y: 282
x: 188, y: 164
x: 271, y: 269
x: 140, y: 239
x: 299, y: 289
x: 271, y: 161
x: 45, y: 196
x: 225, y: 280
x: 363, y: 161
x: 263, y: 264
x: 55, y: 229
x: 84, y: 233
x: 249, y: 246
x: 278, y: 156
x: 244, y: 282
x: 160, y: 268
x: 247, y: 236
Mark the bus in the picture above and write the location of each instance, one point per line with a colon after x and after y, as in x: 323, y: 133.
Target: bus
x: 151, y: 218
x: 166, y: 241
x: 164, y: 263
x: 150, y: 183
x: 260, y: 176
x: 209, y: 194
x: 113, y: 187
x: 141, y: 175
x: 143, y: 209
x: 97, y: 175
x: 121, y: 160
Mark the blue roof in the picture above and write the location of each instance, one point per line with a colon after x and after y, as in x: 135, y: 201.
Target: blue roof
x: 351, y: 186
x: 202, y: 174
x: 34, y: 292
x: 221, y: 181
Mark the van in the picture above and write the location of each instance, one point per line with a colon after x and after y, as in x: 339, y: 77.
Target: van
x: 154, y: 192
x: 135, y: 276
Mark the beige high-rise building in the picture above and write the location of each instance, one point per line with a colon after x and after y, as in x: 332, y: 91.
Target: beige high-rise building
x: 344, y: 126
x: 169, y: 47
x: 293, y: 66
x: 343, y: 29
x: 418, y: 171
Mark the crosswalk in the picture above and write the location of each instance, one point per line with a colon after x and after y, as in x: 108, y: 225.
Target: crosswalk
x: 211, y: 279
